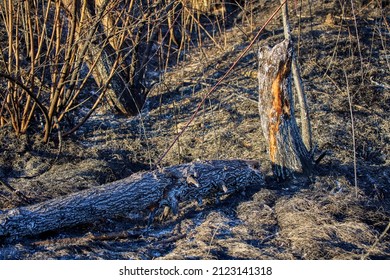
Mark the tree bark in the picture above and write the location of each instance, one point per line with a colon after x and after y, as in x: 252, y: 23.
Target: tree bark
x: 138, y: 195
x: 110, y: 63
x: 125, y: 98
x: 125, y: 94
x: 286, y: 149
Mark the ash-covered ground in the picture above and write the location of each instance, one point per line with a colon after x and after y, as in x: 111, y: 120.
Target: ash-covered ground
x: 325, y: 217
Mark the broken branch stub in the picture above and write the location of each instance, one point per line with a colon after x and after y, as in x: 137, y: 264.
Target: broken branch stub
x: 286, y: 149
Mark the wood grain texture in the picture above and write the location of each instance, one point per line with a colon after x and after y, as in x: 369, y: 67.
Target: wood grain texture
x: 144, y: 193
x: 286, y: 149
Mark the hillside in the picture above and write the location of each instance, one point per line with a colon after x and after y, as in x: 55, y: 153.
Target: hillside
x: 332, y: 215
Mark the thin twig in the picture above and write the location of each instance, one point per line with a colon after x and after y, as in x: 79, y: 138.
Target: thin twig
x: 17, y: 192
x: 212, y: 239
x: 29, y: 93
x: 376, y: 242
x: 304, y: 108
x: 353, y: 133
x: 358, y: 41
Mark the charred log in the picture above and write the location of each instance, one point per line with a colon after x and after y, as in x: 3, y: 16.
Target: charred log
x: 139, y: 195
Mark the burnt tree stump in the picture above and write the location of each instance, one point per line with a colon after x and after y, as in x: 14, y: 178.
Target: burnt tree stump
x: 287, y: 152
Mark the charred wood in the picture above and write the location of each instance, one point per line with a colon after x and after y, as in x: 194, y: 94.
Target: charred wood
x: 138, y: 195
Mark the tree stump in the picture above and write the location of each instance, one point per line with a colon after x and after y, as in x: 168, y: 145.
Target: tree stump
x: 286, y: 149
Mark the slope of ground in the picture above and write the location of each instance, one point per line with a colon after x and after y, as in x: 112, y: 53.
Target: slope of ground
x: 325, y: 217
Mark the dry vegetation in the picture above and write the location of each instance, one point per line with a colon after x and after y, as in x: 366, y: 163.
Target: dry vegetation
x: 344, y: 56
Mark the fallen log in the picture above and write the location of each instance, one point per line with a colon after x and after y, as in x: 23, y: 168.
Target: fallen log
x: 146, y: 193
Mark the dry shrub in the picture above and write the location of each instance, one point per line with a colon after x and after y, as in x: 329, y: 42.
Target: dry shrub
x: 43, y: 50
x: 206, y: 6
x: 46, y: 45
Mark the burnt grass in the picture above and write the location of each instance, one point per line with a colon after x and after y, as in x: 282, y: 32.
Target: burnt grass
x: 326, y: 216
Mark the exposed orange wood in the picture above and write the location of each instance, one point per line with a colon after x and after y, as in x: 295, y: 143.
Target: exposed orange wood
x: 280, y: 105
